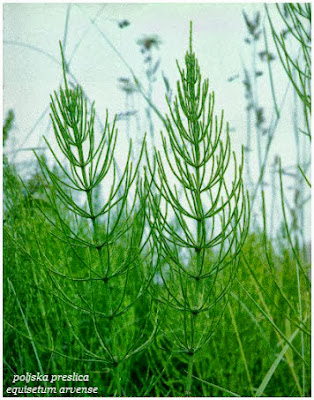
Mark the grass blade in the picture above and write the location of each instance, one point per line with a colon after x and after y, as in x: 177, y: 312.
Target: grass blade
x: 275, y: 364
x: 217, y: 387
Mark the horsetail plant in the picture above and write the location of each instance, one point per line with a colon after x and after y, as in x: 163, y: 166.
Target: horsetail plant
x: 104, y: 233
x: 199, y: 221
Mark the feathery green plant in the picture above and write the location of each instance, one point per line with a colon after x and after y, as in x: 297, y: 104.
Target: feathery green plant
x: 105, y: 233
x: 199, y: 220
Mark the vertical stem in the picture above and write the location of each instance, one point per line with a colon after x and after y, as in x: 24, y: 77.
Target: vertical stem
x: 199, y: 213
x: 194, y: 128
x: 127, y: 120
x: 248, y: 146
x: 256, y: 108
x: 273, y: 197
x: 89, y: 195
x: 149, y: 95
x: 189, y: 376
x: 302, y: 333
x: 297, y: 196
x: 117, y: 379
x: 271, y: 80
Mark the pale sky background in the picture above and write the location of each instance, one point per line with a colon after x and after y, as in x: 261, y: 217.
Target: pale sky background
x: 31, y: 70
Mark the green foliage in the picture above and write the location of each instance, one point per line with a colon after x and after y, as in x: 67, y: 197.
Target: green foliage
x: 296, y: 62
x: 198, y: 221
x: 102, y: 276
x: 151, y: 283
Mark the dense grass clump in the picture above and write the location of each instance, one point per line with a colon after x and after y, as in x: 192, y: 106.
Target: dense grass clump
x: 47, y: 333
